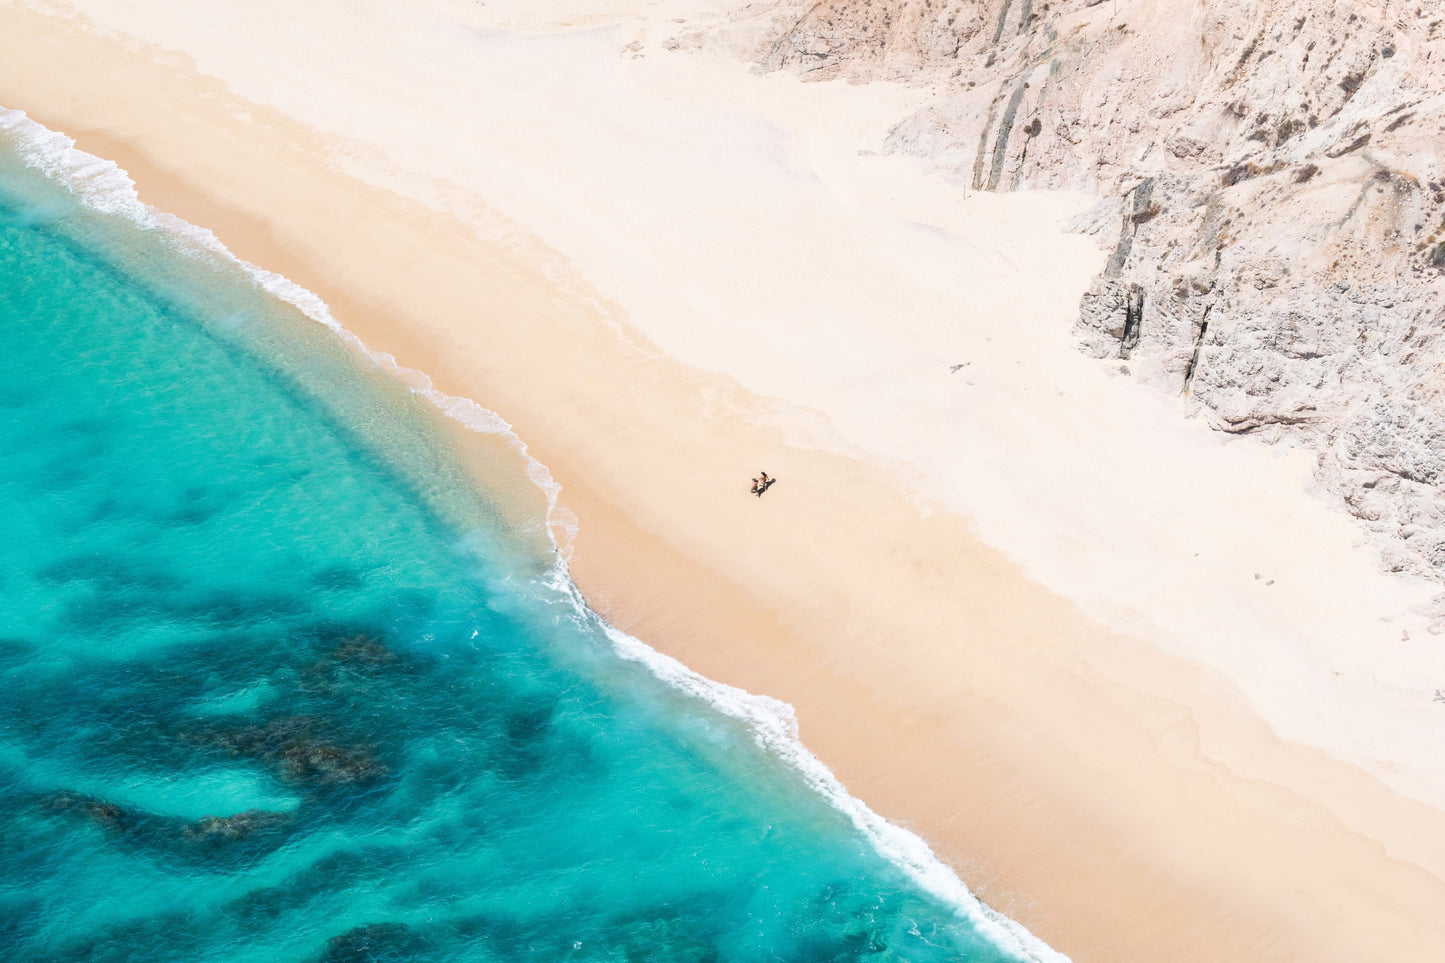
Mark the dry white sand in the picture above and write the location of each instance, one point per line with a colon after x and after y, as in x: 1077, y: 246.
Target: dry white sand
x: 745, y: 226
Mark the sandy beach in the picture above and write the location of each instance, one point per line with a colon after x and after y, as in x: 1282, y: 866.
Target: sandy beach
x: 1143, y: 690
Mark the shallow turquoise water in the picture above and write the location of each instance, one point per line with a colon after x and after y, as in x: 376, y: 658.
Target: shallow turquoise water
x: 277, y: 684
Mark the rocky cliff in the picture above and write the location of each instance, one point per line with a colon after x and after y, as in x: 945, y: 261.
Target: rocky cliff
x: 1273, y: 198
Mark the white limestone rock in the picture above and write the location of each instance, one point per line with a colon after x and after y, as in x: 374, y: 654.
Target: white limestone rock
x: 1273, y: 198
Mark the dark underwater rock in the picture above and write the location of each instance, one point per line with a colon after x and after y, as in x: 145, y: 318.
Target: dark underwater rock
x: 163, y: 832
x: 373, y: 942
x: 243, y: 825
x: 337, y: 579
x: 299, y: 749
x: 13, y: 651
x: 363, y: 650
x: 348, y: 665
x: 107, y: 815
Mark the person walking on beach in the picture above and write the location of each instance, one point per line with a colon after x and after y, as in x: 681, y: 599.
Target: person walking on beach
x: 762, y: 483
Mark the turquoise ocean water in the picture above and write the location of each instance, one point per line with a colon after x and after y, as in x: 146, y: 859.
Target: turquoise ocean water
x: 277, y: 682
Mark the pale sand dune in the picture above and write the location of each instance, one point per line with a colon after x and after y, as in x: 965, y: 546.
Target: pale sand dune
x: 1126, y: 795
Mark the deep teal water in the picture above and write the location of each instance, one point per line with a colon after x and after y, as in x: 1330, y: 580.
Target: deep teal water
x: 276, y: 683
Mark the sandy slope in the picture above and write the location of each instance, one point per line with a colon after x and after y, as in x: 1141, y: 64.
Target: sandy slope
x: 559, y: 204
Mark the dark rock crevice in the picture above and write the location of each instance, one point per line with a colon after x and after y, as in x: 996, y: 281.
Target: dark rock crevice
x: 1002, y: 21
x: 1241, y: 149
x: 1005, y: 127
x: 1135, y: 213
x: 1133, y: 320
x: 1198, y: 347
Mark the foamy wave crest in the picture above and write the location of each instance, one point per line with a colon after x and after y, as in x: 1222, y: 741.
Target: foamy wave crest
x: 774, y: 725
x: 105, y: 187
x: 100, y: 183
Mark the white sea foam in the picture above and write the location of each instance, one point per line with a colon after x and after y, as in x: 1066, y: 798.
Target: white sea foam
x: 774, y: 725
x: 105, y: 187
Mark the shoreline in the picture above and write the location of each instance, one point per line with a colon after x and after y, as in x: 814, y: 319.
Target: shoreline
x: 753, y: 625
x: 493, y: 455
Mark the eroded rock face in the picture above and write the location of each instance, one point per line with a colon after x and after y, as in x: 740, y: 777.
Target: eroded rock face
x: 1274, y: 203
